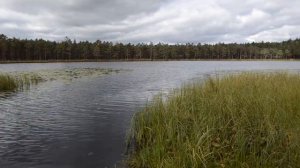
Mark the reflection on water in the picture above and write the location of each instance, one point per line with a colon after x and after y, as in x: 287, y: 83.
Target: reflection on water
x: 83, y: 123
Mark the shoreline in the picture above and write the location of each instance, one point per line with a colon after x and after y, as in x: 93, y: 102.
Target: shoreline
x: 136, y: 60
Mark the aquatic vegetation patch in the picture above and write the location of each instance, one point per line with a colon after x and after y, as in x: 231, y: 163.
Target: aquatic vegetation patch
x: 9, y: 82
x: 241, y: 120
x: 72, y: 73
x: 13, y: 81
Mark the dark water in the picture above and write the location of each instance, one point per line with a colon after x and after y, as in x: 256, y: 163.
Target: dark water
x: 83, y: 123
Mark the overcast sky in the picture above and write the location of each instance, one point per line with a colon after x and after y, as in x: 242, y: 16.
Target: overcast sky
x: 168, y: 21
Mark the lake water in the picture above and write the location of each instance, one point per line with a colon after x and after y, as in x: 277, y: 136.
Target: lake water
x: 83, y: 123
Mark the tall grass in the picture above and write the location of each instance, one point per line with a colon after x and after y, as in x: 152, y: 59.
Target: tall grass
x: 7, y: 83
x: 247, y: 120
x: 10, y: 82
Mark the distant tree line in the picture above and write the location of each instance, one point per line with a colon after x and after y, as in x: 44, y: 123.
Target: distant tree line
x: 13, y: 49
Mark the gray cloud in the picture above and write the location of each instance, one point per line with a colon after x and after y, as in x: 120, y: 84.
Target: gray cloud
x: 169, y: 21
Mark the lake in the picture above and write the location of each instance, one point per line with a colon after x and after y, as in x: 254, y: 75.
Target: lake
x: 83, y: 123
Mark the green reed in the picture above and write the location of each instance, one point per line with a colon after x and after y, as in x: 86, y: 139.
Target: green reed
x: 246, y: 120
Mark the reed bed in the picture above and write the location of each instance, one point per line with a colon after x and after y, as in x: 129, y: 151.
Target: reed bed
x: 9, y: 82
x: 23, y: 80
x: 246, y: 120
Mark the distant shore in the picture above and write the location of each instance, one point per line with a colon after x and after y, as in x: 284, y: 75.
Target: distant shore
x: 132, y: 60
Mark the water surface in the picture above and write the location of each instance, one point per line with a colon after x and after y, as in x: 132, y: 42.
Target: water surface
x: 83, y: 123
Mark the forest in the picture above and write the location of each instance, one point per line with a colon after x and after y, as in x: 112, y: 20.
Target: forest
x: 15, y: 49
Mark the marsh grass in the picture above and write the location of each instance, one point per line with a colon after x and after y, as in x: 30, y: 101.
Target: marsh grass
x: 9, y: 82
x: 23, y: 80
x: 246, y: 120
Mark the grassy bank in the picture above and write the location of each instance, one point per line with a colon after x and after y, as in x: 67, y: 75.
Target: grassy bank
x: 247, y: 120
x: 9, y: 83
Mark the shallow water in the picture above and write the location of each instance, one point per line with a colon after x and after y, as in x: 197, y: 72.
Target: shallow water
x: 83, y: 123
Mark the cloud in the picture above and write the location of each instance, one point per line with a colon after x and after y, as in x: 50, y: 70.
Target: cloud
x: 169, y: 21
x: 277, y: 34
